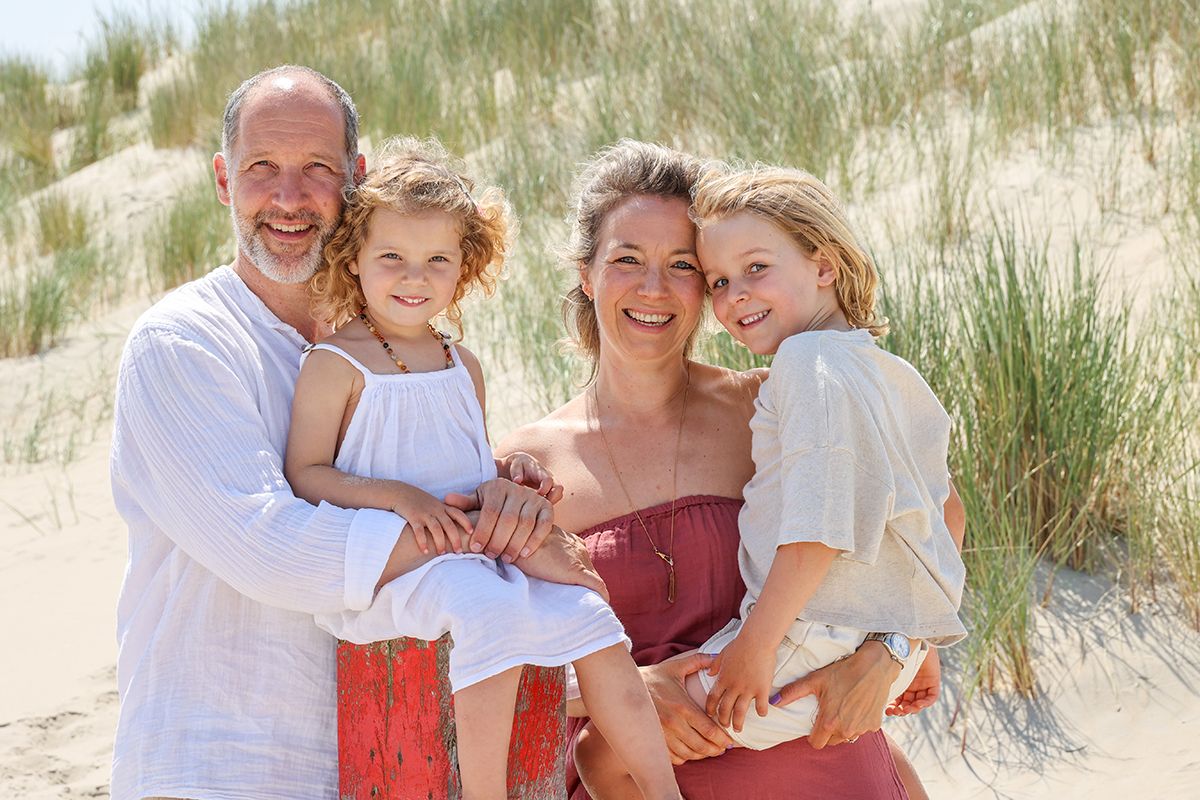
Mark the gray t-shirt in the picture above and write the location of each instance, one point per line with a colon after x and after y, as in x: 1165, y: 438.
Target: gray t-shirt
x: 850, y: 450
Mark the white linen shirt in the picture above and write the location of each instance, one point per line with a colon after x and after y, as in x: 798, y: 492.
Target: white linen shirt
x: 849, y: 447
x: 227, y: 686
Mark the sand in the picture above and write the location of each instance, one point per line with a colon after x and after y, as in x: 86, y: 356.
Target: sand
x: 1119, y: 710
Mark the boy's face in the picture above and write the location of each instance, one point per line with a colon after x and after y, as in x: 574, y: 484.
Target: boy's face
x: 409, y: 267
x: 764, y: 288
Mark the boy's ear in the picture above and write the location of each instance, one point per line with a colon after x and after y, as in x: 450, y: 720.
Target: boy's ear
x: 826, y: 271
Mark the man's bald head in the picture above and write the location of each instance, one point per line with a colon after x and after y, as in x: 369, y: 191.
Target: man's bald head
x: 289, y: 78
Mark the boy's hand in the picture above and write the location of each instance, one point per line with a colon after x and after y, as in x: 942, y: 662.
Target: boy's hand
x: 744, y: 672
x: 513, y: 520
x: 431, y: 520
x: 526, y: 470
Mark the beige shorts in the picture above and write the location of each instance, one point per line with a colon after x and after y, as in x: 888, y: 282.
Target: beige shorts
x: 807, y: 647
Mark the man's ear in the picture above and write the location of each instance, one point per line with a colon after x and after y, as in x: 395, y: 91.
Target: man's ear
x: 826, y: 271
x: 360, y: 168
x: 221, y: 173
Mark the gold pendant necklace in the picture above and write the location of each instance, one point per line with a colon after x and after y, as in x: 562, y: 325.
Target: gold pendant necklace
x: 668, y: 558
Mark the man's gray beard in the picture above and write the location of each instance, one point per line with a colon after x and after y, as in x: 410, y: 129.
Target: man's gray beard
x: 281, y: 269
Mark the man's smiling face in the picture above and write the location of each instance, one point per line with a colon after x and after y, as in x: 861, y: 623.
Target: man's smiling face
x: 284, y: 176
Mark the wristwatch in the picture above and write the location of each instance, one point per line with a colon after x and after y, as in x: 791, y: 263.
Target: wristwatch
x: 897, y: 645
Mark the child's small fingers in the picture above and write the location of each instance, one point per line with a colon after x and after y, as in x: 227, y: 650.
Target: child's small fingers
x: 761, y: 705
x: 725, y: 709
x: 419, y: 536
x: 556, y: 493
x: 438, y: 535
x: 713, y: 703
x: 459, y: 518
x: 740, y: 707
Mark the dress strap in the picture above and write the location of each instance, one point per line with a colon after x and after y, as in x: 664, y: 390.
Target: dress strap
x: 333, y: 348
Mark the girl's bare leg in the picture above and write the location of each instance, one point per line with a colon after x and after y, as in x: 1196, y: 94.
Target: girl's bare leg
x: 483, y: 715
x: 601, y: 771
x: 620, y: 708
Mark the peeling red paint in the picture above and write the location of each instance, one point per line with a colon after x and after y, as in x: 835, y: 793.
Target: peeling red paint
x: 396, y: 737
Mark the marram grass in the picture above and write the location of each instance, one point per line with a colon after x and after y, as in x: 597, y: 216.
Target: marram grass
x: 1074, y: 431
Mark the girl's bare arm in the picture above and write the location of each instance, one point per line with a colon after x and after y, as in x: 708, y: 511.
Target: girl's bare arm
x: 322, y: 393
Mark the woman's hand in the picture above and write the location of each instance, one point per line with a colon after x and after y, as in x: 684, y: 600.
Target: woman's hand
x: 744, y: 670
x: 851, y: 695
x: 923, y: 691
x: 513, y: 520
x: 564, y: 559
x: 526, y: 470
x: 690, y: 733
x: 430, y: 519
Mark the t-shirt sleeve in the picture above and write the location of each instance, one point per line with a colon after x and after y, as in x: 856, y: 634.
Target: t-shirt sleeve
x: 833, y: 461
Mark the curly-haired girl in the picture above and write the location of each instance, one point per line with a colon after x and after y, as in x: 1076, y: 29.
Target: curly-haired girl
x: 388, y: 414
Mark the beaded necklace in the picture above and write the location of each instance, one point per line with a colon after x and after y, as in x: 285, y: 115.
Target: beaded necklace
x: 362, y: 314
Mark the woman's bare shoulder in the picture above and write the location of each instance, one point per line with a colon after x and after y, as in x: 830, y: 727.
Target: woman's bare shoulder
x: 542, y: 437
x: 725, y: 385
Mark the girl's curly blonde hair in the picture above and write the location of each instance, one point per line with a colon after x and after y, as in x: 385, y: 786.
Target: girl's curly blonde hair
x: 412, y: 176
x: 804, y: 208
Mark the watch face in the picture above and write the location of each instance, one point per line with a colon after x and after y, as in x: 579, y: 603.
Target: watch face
x: 899, y: 644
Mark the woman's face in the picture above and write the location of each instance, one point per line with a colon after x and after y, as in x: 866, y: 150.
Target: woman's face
x: 644, y: 279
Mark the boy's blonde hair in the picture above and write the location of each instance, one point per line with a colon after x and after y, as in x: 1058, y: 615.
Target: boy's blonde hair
x: 803, y: 207
x: 413, y: 176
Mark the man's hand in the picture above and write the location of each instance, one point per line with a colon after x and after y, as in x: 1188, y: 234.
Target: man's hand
x: 526, y: 470
x: 690, y: 733
x: 431, y: 519
x: 744, y: 670
x: 513, y: 522
x: 923, y: 691
x: 851, y: 695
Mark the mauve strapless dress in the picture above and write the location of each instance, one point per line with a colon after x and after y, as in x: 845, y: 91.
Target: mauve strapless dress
x: 709, y: 590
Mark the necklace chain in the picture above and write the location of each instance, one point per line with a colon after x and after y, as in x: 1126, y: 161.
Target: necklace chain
x: 362, y: 314
x: 668, y: 558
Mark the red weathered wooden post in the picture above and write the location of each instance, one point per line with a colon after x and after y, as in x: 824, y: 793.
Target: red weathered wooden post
x: 396, y: 736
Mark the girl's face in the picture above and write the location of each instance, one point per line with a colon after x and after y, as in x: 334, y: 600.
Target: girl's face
x: 644, y: 279
x: 764, y: 287
x: 409, y: 266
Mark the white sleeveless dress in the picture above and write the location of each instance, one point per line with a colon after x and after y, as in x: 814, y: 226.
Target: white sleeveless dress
x: 426, y: 429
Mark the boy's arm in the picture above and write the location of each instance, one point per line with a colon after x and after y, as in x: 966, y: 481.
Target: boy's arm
x: 746, y: 666
x: 323, y: 391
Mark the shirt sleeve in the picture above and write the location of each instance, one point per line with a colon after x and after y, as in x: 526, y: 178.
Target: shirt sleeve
x: 192, y: 457
x: 833, y: 462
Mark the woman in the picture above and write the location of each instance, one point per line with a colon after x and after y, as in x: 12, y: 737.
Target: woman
x: 653, y: 455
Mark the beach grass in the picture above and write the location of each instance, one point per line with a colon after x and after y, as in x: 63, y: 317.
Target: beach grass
x: 1060, y: 426
x: 61, y: 223
x: 38, y: 306
x: 191, y: 236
